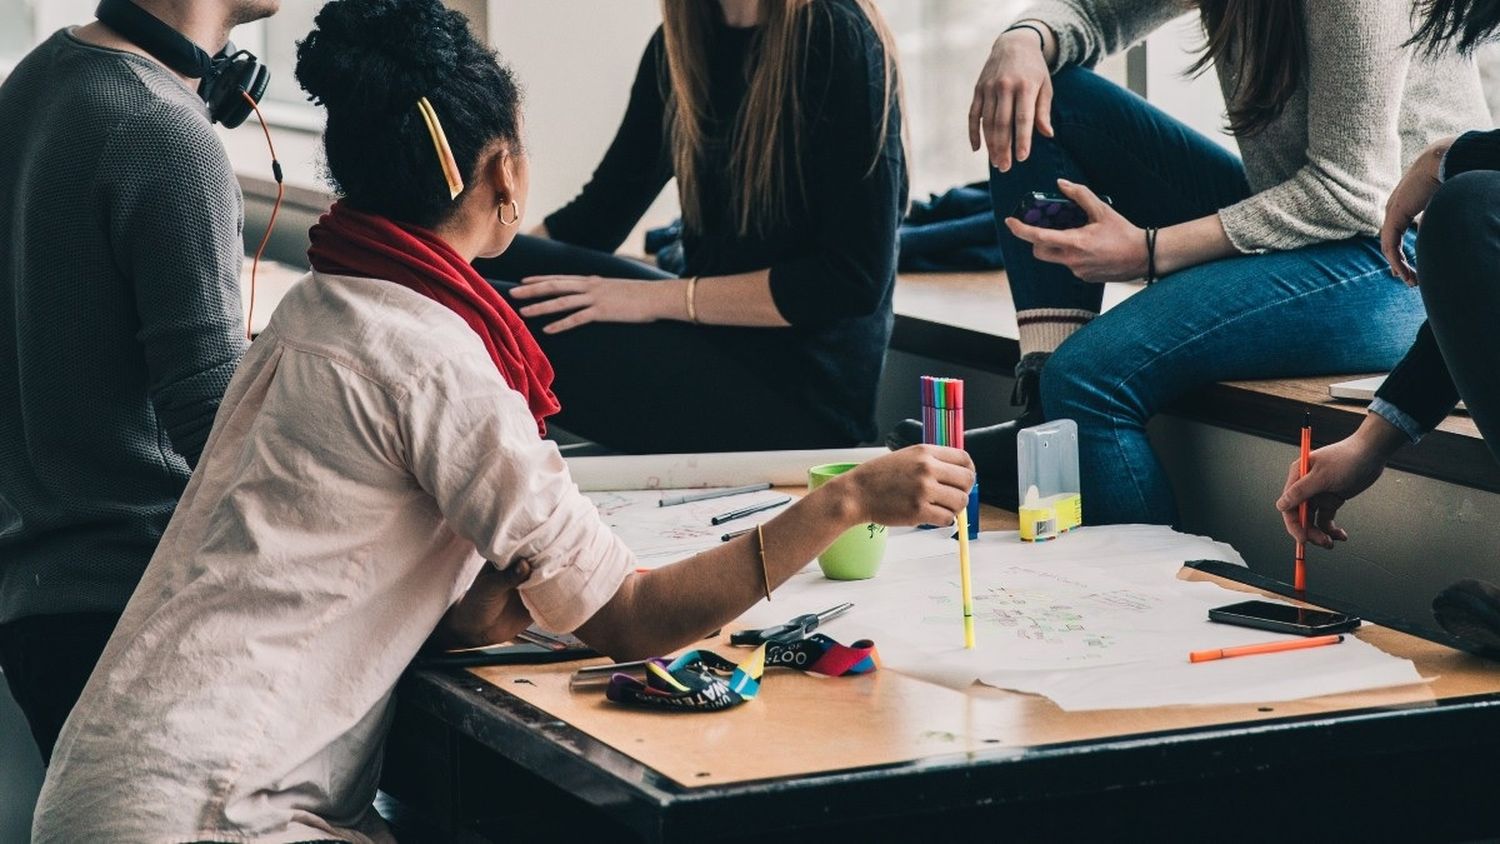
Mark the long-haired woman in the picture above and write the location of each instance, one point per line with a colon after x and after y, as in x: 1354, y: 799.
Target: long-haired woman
x: 376, y: 472
x: 780, y: 121
x: 1265, y: 264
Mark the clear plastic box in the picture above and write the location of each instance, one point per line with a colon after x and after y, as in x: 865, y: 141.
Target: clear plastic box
x: 1051, y: 500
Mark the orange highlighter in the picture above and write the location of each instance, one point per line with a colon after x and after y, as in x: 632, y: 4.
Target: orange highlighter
x: 1264, y: 648
x: 1299, y: 573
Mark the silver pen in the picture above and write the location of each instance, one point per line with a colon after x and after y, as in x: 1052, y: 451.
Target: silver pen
x: 690, y: 497
x: 750, y: 510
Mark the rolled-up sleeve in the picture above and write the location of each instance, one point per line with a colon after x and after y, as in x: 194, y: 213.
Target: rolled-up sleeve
x: 1419, y: 393
x: 472, y: 445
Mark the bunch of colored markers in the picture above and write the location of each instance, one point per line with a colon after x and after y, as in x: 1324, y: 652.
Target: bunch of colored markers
x: 943, y: 424
x: 943, y: 411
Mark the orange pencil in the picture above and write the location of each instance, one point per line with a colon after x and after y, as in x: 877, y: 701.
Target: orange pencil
x: 1299, y: 573
x: 1264, y: 648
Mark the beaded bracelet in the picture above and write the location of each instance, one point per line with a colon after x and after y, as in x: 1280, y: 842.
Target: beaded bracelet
x: 1150, y: 256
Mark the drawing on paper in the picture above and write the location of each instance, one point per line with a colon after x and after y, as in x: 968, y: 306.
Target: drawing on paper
x: 659, y: 535
x: 1024, y: 614
x: 612, y: 503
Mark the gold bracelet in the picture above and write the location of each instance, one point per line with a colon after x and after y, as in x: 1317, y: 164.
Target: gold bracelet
x: 765, y: 574
x: 692, y: 299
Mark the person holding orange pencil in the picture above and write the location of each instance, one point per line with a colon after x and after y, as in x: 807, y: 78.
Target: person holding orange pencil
x: 1455, y: 187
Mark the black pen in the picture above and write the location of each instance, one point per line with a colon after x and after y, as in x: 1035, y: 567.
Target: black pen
x: 735, y: 534
x: 750, y: 510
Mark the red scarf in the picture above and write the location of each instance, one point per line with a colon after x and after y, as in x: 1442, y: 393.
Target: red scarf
x: 350, y: 242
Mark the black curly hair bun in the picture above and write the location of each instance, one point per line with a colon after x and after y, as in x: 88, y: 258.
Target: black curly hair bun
x: 380, y: 55
x: 368, y: 62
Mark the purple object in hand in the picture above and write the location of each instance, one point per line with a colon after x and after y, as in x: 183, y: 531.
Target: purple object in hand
x: 1050, y: 211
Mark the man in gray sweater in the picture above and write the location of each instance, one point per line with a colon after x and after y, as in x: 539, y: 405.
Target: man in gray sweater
x: 120, y: 325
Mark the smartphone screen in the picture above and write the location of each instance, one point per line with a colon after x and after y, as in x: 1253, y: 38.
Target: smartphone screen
x: 1282, y: 618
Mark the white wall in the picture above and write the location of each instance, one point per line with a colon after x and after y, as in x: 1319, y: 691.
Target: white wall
x: 577, y: 79
x: 1196, y: 101
x: 576, y: 60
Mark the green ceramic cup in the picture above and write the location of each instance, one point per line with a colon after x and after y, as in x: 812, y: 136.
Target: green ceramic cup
x: 857, y: 553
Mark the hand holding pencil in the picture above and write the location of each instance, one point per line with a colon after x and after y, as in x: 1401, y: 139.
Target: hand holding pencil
x: 920, y: 484
x: 1335, y: 474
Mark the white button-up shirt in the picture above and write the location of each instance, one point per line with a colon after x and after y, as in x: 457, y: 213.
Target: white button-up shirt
x: 366, y: 461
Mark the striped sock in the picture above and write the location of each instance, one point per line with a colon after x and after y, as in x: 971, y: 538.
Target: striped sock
x: 1044, y: 329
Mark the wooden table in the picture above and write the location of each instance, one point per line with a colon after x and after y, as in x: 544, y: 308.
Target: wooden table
x: 510, y: 754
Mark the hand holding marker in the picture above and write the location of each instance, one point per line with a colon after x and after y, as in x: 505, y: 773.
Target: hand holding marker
x: 943, y: 424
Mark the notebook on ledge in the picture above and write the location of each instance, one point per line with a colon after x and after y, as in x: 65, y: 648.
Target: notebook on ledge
x: 1363, y: 389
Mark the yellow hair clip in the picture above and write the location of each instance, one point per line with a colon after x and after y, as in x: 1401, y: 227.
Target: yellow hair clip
x: 445, y: 153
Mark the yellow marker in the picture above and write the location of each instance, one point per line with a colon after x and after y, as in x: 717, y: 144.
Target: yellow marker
x: 665, y: 677
x: 966, y: 584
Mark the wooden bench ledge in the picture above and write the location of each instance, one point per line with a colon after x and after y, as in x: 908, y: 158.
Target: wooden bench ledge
x: 969, y: 319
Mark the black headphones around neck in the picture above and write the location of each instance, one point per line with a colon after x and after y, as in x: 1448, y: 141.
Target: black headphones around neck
x: 227, y: 77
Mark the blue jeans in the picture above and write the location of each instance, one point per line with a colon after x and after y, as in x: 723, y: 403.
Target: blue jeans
x: 1322, y: 309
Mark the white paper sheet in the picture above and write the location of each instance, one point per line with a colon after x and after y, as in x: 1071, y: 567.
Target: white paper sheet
x: 661, y: 535
x: 694, y: 471
x: 1096, y: 619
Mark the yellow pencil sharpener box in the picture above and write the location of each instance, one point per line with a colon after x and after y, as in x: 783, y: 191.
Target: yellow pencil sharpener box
x: 1047, y: 518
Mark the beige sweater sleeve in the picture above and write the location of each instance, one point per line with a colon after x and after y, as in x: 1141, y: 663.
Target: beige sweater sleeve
x: 1357, y: 72
x: 1089, y: 30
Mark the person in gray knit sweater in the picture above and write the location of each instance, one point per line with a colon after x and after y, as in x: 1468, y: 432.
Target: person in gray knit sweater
x: 120, y: 321
x: 1265, y: 264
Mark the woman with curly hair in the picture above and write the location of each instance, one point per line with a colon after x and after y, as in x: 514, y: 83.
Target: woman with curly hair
x: 376, y: 477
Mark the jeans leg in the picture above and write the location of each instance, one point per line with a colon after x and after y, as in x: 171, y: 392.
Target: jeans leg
x: 1458, y: 261
x: 1323, y: 309
x: 1156, y: 169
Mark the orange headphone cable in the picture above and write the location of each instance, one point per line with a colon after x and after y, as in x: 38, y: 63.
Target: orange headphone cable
x: 275, y: 209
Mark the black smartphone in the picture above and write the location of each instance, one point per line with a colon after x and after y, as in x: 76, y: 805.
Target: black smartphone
x: 1052, y: 211
x: 1280, y: 618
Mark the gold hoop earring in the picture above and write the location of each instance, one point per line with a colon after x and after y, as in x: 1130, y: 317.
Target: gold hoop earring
x: 515, y: 211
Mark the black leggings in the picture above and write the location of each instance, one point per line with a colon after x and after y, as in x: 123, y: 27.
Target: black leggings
x: 46, y: 660
x: 1458, y: 265
x: 658, y: 387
